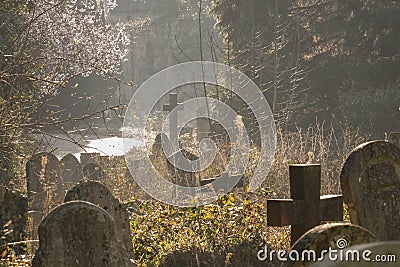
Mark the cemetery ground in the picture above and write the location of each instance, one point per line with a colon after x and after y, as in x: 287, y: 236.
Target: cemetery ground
x: 229, y: 232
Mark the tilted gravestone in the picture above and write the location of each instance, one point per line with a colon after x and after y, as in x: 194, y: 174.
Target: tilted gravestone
x: 79, y: 233
x: 370, y: 181
x: 44, y: 186
x: 178, y: 176
x: 98, y: 194
x: 182, y: 177
x: 316, y: 242
x: 377, y: 254
x: 13, y: 217
x: 93, y: 171
x: 71, y: 171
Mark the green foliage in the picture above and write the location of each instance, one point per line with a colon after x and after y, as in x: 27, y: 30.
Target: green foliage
x: 160, y: 230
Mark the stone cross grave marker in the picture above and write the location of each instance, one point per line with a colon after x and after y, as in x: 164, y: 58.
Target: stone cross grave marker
x: 93, y: 171
x: 71, y: 171
x: 370, y: 181
x: 13, y: 217
x: 44, y: 186
x: 306, y: 209
x: 79, y: 233
x: 173, y: 123
x: 98, y: 194
x: 322, y: 237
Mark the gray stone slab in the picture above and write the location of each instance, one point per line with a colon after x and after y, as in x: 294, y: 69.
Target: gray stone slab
x: 71, y: 171
x: 79, y: 233
x: 370, y: 181
x: 98, y: 194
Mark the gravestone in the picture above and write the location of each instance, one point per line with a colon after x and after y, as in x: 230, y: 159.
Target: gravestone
x: 79, y: 233
x: 87, y: 158
x: 181, y: 177
x: 13, y: 218
x: 306, y: 209
x: 98, y: 194
x: 156, y: 148
x: 71, y: 171
x: 378, y: 254
x: 394, y: 138
x: 93, y: 171
x: 370, y: 181
x: 44, y: 186
x: 321, y: 238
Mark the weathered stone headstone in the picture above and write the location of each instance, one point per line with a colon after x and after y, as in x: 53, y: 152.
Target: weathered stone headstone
x: 13, y: 217
x: 71, y: 171
x: 44, y: 186
x: 306, y: 208
x: 370, y: 181
x: 98, y: 194
x: 394, y: 138
x: 378, y: 254
x: 156, y: 149
x: 93, y: 171
x: 79, y: 233
x: 87, y: 158
x: 333, y: 235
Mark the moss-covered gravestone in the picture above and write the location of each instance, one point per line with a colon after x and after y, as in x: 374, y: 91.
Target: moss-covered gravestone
x: 98, y: 194
x: 80, y: 234
x: 44, y: 186
x: 370, y: 182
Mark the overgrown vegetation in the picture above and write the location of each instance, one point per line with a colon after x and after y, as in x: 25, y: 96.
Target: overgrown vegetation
x: 332, y: 62
x: 234, y: 228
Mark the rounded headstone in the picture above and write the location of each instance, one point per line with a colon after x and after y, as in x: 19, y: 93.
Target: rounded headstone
x: 42, y: 171
x: 79, y: 233
x: 98, y: 194
x: 71, y: 171
x: 370, y: 181
x: 332, y: 235
x: 44, y: 186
